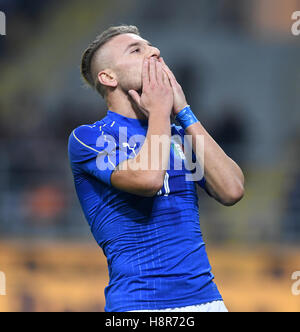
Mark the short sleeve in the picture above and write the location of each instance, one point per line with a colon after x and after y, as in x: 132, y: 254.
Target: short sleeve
x: 180, y: 131
x: 95, y: 152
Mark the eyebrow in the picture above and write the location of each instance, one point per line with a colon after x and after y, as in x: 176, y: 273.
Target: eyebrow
x: 138, y: 43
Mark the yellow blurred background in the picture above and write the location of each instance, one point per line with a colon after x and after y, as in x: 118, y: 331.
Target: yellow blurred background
x: 71, y: 277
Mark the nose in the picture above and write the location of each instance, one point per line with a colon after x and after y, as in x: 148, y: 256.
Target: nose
x: 154, y: 52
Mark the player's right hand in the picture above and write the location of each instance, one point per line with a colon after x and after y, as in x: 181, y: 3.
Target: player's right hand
x: 157, y: 95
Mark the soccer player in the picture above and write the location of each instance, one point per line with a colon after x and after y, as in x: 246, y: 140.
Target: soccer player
x: 146, y: 219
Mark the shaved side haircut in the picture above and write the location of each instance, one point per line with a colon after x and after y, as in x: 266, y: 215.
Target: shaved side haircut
x: 88, y: 70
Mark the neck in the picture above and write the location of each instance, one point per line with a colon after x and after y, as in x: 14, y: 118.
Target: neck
x: 121, y: 103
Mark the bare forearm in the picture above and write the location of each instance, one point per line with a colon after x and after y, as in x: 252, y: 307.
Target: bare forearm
x: 155, y: 152
x: 224, y: 178
x: 144, y: 174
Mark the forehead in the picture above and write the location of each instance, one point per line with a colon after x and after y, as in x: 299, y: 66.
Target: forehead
x: 119, y: 43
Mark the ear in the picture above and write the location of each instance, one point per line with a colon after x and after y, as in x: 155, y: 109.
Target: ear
x: 107, y: 78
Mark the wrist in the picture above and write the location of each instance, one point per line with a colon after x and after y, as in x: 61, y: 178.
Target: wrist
x: 159, y: 113
x: 186, y: 117
x: 159, y: 121
x: 177, y: 110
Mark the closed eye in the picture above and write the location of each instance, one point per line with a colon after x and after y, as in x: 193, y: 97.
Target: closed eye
x: 136, y: 50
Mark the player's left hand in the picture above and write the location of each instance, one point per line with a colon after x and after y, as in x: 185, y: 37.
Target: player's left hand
x: 179, y: 97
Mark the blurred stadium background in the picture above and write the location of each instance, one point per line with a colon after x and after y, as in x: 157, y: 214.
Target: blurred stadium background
x: 238, y: 63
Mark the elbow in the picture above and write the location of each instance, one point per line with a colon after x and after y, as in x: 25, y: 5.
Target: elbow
x: 151, y: 187
x: 233, y: 196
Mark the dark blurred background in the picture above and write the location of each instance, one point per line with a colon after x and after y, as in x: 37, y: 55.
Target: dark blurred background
x: 238, y: 63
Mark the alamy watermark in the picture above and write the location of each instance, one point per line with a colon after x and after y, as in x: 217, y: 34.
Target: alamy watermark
x: 2, y: 24
x: 296, y: 285
x: 2, y: 284
x: 296, y: 26
x: 156, y: 154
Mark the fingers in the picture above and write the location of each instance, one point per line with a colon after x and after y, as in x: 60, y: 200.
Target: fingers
x: 169, y: 72
x: 135, y: 96
x: 165, y: 78
x: 162, y: 61
x: 146, y: 78
x: 159, y: 73
x: 152, y: 70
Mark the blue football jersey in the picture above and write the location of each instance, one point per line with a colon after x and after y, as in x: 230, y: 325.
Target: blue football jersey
x: 155, y: 252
